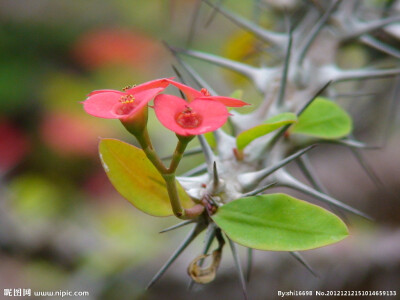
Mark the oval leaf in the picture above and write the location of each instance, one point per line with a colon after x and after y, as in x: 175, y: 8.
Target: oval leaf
x: 246, y: 137
x: 279, y: 222
x: 136, y: 179
x: 324, y: 119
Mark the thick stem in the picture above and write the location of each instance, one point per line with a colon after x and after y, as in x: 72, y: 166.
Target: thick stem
x: 178, y: 153
x: 173, y: 196
x: 179, y: 211
x: 144, y: 141
x: 169, y: 177
x: 169, y: 174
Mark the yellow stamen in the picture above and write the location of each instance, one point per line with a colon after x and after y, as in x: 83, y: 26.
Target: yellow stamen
x: 127, y: 99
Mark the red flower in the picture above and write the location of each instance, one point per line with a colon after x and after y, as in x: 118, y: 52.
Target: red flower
x: 197, y: 117
x: 192, y: 94
x: 112, y: 104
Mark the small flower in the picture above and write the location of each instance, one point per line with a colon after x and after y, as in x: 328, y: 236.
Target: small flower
x: 192, y: 94
x: 112, y: 104
x: 197, y: 117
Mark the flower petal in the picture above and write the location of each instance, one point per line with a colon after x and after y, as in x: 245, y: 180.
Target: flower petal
x: 166, y: 108
x: 147, y: 95
x: 212, y: 114
x: 189, y: 92
x: 227, y: 101
x: 101, y: 104
x: 140, y: 100
x: 158, y: 83
x: 192, y: 94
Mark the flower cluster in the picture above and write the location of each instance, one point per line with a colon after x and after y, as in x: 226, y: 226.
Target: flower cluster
x: 199, y: 114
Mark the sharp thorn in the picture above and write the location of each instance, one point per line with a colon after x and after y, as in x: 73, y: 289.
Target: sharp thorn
x: 208, y: 153
x: 195, y: 171
x: 248, y: 180
x: 215, y: 176
x: 192, y: 73
x: 244, y: 69
x: 194, y: 232
x: 285, y: 70
x: 177, y: 73
x: 249, y: 267
x: 367, y: 168
x: 287, y: 160
x: 308, y: 171
x: 372, y: 26
x: 176, y: 226
x: 192, y: 28
x: 238, y: 267
x: 316, y: 95
x: 282, y: 131
x: 300, y: 259
x: 259, y: 190
x: 201, y: 83
x: 351, y: 144
x: 290, y: 182
x: 277, y: 39
x: 309, y: 39
x: 213, y: 13
x: 378, y: 45
x: 344, y: 75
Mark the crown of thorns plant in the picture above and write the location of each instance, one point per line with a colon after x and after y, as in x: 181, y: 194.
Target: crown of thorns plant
x: 227, y: 196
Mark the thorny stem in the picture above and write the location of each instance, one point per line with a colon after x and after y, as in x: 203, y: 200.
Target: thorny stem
x: 314, y: 32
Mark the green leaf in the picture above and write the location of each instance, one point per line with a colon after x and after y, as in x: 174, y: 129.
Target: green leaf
x: 279, y: 222
x: 246, y: 137
x: 324, y: 119
x: 136, y: 179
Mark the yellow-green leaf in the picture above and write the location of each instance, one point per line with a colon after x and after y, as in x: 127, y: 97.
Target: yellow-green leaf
x: 136, y: 179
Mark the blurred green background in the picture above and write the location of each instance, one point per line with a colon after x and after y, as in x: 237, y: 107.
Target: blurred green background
x: 62, y: 225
